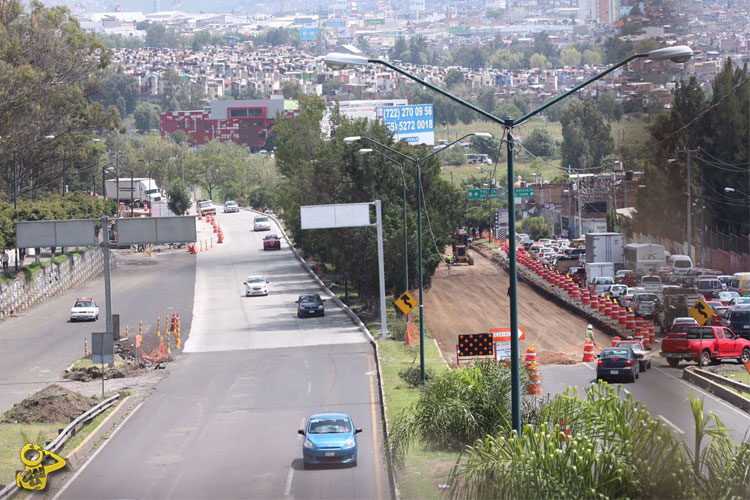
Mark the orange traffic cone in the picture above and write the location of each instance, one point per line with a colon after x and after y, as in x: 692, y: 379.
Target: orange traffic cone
x: 158, y: 326
x: 535, y: 381
x: 588, y: 351
x: 530, y: 356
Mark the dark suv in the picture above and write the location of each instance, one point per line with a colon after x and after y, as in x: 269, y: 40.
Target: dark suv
x: 739, y: 321
x: 310, y: 305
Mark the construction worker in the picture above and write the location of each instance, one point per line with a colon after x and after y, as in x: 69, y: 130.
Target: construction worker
x: 448, y: 259
x: 590, y: 333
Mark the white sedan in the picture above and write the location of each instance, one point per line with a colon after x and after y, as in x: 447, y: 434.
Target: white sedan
x: 84, y: 310
x: 256, y: 285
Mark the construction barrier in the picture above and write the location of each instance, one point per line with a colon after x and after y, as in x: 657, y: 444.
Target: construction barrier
x: 588, y: 351
x: 530, y: 356
x: 535, y: 379
x: 615, y: 340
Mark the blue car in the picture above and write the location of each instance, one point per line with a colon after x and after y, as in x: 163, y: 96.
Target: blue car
x: 330, y: 438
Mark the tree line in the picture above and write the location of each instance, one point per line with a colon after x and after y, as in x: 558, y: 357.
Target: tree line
x: 316, y: 170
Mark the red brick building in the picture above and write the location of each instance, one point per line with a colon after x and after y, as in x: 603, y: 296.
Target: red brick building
x: 245, y: 122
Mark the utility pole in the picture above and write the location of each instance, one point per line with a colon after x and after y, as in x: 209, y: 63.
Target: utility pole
x: 689, y: 208
x: 64, y: 189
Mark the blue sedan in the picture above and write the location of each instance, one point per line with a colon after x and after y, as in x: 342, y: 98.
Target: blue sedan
x: 617, y: 362
x: 330, y: 438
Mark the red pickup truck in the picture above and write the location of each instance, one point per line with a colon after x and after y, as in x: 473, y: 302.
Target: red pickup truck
x: 711, y: 343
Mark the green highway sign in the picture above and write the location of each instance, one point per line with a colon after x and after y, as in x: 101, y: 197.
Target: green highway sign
x: 524, y: 192
x: 486, y: 193
x: 483, y: 194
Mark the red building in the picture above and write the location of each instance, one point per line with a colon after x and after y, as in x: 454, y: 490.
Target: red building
x: 245, y: 122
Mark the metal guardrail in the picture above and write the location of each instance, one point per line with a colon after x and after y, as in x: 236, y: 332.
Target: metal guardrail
x: 56, y: 444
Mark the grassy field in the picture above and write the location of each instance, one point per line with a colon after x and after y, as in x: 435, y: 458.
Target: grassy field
x: 424, y: 469
x: 743, y: 377
x: 11, y: 443
x: 630, y: 132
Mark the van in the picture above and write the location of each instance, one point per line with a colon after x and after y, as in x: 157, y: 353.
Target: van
x: 709, y: 287
x: 740, y: 284
x: 680, y: 264
x: 739, y: 321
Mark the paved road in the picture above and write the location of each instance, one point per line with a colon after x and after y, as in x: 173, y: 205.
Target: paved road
x: 663, y: 392
x: 37, y: 346
x: 224, y: 423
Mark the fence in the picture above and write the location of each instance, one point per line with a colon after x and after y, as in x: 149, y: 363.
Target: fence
x: 50, y: 280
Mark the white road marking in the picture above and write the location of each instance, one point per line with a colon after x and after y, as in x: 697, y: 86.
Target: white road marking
x: 289, y: 477
x: 676, y: 429
x: 105, y: 442
x: 309, y: 387
x: 590, y: 367
x: 718, y: 400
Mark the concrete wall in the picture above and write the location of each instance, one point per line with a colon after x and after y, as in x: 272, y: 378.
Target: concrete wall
x: 48, y: 281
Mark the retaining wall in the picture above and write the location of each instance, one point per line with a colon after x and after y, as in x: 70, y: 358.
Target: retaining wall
x: 50, y: 280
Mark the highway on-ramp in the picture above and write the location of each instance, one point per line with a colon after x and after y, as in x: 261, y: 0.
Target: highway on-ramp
x: 224, y: 423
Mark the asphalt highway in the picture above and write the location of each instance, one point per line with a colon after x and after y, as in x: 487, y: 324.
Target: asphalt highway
x: 40, y: 343
x: 224, y: 423
x: 661, y: 389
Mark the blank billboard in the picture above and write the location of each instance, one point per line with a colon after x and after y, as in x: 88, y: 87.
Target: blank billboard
x: 56, y: 233
x: 156, y: 230
x: 331, y: 216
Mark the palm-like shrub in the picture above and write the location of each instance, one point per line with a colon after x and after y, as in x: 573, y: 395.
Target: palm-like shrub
x: 598, y: 446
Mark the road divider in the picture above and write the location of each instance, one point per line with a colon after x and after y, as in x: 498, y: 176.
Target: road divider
x: 722, y: 387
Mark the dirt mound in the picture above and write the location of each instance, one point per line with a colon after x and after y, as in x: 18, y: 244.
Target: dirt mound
x: 50, y: 405
x: 473, y: 299
x: 122, y: 369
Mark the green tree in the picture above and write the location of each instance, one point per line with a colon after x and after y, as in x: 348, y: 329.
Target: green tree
x: 587, y: 137
x: 146, y: 117
x: 592, y: 58
x: 536, y: 228
x: 540, y: 143
x: 49, y: 69
x: 291, y: 90
x: 453, y: 78
x: 539, y: 61
x: 470, y: 57
x: 570, y: 57
x: 609, y: 106
x: 179, y: 198
x: 543, y: 46
x: 117, y: 89
x: 486, y: 99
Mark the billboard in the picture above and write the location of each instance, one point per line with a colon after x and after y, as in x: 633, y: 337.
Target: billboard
x: 308, y: 34
x: 56, y: 233
x: 156, y: 230
x: 331, y: 216
x: 413, y: 124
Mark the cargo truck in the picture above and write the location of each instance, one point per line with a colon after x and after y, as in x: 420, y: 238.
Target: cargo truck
x: 136, y: 188
x: 644, y: 257
x: 605, y: 247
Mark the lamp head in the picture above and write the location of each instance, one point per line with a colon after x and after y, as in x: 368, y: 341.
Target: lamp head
x: 351, y: 139
x: 339, y: 60
x: 364, y: 151
x: 49, y: 137
x: 677, y: 53
x: 728, y: 190
x: 483, y: 135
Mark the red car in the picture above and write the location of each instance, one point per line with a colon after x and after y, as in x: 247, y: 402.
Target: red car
x: 271, y: 242
x: 706, y: 344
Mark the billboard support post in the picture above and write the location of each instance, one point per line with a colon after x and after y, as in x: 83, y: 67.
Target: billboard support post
x: 381, y: 268
x: 107, y: 277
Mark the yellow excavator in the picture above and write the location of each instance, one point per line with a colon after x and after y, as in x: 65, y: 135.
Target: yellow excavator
x: 461, y: 248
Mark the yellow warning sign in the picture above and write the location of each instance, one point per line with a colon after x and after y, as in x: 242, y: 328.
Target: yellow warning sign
x: 406, y: 302
x: 701, y: 312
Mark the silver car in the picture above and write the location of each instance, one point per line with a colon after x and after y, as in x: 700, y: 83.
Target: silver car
x: 231, y: 206
x: 256, y: 285
x: 261, y: 223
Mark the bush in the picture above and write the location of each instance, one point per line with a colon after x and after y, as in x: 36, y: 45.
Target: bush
x: 397, y: 329
x: 456, y: 408
x: 413, y: 375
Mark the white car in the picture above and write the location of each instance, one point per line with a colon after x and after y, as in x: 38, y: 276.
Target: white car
x: 256, y: 285
x: 231, y: 206
x: 261, y: 223
x: 84, y: 310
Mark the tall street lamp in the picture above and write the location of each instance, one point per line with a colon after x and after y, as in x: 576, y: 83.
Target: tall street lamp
x: 747, y: 196
x: 417, y: 162
x: 678, y: 54
x: 364, y: 151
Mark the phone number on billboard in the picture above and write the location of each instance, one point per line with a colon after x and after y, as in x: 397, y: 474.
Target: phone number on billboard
x: 410, y: 126
x: 402, y: 112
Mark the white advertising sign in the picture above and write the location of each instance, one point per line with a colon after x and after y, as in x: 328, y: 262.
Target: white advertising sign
x: 331, y: 216
x: 414, y: 124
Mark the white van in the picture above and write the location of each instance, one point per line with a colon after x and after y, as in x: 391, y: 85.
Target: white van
x: 680, y: 264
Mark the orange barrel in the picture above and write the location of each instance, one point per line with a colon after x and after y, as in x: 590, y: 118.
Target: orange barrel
x: 588, y: 351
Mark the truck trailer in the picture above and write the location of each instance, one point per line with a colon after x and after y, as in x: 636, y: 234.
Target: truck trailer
x: 605, y: 247
x: 135, y: 188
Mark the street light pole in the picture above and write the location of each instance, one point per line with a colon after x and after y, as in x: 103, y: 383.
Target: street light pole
x: 403, y: 182
x: 417, y: 162
x: 678, y: 54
